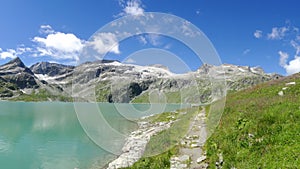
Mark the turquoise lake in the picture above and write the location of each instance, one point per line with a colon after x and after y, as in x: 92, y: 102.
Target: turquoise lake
x: 48, y: 135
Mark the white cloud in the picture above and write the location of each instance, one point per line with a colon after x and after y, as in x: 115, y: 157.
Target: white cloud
x: 130, y: 60
x: 258, y: 34
x: 22, y: 50
x: 62, y: 46
x: 168, y: 46
x: 142, y: 40
x: 283, y: 58
x: 293, y: 66
x: 296, y: 46
x: 65, y: 42
x: 245, y: 52
x: 154, y: 39
x: 132, y: 7
x: 13, y: 53
x: 105, y: 42
x: 198, y: 12
x: 46, y: 29
x: 59, y: 45
x: 187, y: 29
x: 278, y: 33
x: 9, y: 53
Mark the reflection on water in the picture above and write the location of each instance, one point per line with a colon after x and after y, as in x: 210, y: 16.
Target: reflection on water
x: 48, y: 136
x: 4, y: 146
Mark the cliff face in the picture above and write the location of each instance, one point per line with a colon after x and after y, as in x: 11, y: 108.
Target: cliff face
x: 17, y: 73
x: 112, y: 81
x: 51, y: 69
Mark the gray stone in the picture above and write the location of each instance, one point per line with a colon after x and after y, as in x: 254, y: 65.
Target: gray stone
x: 184, y: 158
x: 200, y: 159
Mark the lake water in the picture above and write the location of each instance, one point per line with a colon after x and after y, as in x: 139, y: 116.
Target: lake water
x: 48, y: 135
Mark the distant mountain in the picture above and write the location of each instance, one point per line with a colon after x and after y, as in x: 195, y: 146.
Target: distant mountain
x: 112, y: 81
x: 51, y: 69
x: 17, y: 73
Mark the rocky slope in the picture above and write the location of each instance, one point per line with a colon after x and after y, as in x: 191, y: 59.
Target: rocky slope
x: 17, y: 73
x: 51, y: 69
x: 15, y: 76
x: 112, y: 81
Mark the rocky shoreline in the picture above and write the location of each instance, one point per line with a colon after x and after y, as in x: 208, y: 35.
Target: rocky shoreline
x: 191, y: 154
x: 135, y: 144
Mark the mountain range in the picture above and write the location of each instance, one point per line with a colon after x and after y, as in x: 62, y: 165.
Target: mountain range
x: 112, y: 81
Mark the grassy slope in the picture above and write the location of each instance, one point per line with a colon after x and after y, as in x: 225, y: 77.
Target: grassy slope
x: 41, y: 95
x: 259, y: 128
x: 6, y: 89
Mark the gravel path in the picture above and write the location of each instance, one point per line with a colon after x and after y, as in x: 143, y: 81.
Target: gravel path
x: 191, y: 154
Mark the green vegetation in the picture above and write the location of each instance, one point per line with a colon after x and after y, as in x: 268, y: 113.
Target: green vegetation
x: 166, y: 140
x: 10, y: 91
x: 161, y: 161
x: 8, y: 85
x: 6, y: 89
x: 259, y: 128
x: 187, y: 95
x: 171, y: 97
x: 245, y: 82
x: 41, y: 95
x: 102, y: 91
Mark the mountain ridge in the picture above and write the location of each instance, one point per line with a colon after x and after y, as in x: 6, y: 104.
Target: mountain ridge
x: 112, y: 81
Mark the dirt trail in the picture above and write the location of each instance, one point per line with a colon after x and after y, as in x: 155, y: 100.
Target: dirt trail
x: 191, y: 155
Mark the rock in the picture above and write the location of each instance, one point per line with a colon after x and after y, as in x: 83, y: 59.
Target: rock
x: 183, y: 143
x: 195, y: 145
x: 200, y: 159
x: 250, y: 135
x: 290, y: 83
x: 182, y: 166
x: 17, y: 73
x: 135, y: 144
x: 184, y: 158
x: 51, y: 69
x: 119, y: 82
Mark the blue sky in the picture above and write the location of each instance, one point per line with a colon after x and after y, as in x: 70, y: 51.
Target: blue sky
x: 255, y: 33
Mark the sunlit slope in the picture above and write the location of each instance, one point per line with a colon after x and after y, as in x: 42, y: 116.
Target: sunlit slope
x: 260, y: 128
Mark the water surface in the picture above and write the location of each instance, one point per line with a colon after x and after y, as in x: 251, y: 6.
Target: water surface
x: 48, y: 135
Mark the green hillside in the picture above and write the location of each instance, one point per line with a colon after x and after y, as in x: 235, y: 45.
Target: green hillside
x: 260, y: 128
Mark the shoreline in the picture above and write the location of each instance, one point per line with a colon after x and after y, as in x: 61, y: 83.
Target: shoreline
x: 136, y: 143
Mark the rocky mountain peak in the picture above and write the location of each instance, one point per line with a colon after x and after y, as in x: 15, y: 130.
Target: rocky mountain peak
x: 17, y: 62
x: 160, y: 66
x: 230, y: 69
x: 129, y: 81
x: 51, y: 69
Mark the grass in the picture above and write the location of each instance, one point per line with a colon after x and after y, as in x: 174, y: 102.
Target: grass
x: 171, y: 97
x: 186, y: 95
x: 41, y: 95
x: 7, y: 88
x: 164, y: 145
x: 259, y: 128
x: 102, y: 91
x: 161, y: 161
